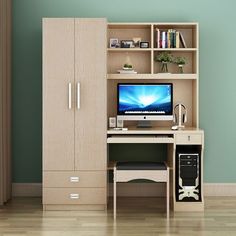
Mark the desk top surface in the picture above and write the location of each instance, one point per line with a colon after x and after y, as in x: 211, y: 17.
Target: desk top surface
x: 155, y: 130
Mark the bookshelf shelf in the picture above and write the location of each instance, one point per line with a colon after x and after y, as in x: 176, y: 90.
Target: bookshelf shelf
x: 129, y: 49
x: 152, y: 76
x: 176, y: 49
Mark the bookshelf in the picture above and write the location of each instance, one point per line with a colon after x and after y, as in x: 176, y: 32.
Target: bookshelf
x: 142, y: 59
x: 148, y: 70
x: 185, y: 85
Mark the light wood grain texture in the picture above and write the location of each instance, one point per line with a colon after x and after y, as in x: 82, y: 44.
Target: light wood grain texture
x: 179, y: 86
x: 189, y: 68
x: 90, y: 72
x: 139, y: 139
x: 72, y: 179
x: 135, y: 216
x: 140, y: 59
x: 125, y: 33
x: 129, y: 50
x: 88, y: 196
x: 58, y: 72
x: 5, y: 100
x: 74, y: 128
x: 75, y: 207
x: 129, y: 175
x: 143, y: 62
x: 188, y: 136
x: 188, y: 139
x: 161, y: 77
x: 147, y: 31
x: 155, y: 130
x: 196, y: 138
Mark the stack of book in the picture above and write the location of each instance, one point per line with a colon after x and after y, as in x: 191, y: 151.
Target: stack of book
x: 127, y: 71
x: 169, y: 39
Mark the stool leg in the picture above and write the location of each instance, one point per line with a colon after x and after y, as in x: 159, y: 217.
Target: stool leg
x: 114, y: 193
x: 168, y: 194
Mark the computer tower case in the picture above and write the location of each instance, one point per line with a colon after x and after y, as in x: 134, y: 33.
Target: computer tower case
x: 188, y: 174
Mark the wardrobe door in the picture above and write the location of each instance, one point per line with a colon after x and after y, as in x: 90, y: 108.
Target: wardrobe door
x: 90, y: 79
x: 58, y: 105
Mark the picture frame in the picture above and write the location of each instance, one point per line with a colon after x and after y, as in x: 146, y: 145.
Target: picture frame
x: 144, y: 44
x: 137, y: 42
x: 127, y: 44
x: 114, y: 42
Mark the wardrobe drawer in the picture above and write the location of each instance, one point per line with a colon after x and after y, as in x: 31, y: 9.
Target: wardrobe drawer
x: 70, y: 179
x: 188, y: 138
x: 74, y: 196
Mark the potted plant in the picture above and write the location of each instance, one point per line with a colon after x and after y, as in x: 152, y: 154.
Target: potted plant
x: 164, y: 58
x: 180, y: 61
x: 127, y: 66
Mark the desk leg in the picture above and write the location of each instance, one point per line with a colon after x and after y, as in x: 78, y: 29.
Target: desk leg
x: 114, y: 193
x: 168, y: 193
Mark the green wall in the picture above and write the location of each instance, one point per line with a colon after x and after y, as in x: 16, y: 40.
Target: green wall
x: 217, y: 73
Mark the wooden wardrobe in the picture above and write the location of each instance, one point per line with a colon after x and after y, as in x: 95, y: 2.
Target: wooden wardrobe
x: 74, y: 113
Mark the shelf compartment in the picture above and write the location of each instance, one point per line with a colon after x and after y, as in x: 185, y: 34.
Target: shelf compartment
x: 159, y: 76
x: 179, y: 85
x: 189, y: 68
x: 129, y: 31
x: 188, y: 31
x: 141, y: 61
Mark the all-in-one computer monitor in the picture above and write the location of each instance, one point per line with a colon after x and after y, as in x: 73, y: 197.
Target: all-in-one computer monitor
x: 145, y: 102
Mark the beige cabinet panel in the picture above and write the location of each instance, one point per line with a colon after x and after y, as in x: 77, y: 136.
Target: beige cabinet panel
x: 188, y: 139
x: 90, y: 79
x: 58, y: 72
x: 74, y: 196
x: 72, y: 179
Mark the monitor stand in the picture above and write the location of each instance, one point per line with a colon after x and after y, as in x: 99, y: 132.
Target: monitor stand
x: 144, y: 124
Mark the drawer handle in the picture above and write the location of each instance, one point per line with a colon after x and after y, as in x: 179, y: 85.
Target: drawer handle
x: 74, y: 196
x: 74, y: 179
x: 189, y: 137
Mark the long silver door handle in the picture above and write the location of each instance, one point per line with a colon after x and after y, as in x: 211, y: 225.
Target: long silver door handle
x: 69, y: 96
x: 78, y: 95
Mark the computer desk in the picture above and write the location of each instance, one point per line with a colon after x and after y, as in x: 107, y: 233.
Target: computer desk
x: 173, y: 139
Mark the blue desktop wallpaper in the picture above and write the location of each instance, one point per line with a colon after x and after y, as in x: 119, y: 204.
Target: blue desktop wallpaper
x: 144, y: 99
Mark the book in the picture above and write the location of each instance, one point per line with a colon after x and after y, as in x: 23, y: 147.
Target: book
x: 127, y: 72
x: 182, y: 40
x: 163, y: 39
x: 177, y: 39
x: 169, y: 32
x: 158, y: 39
x: 172, y: 39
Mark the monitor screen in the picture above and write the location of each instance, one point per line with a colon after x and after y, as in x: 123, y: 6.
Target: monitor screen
x: 145, y: 99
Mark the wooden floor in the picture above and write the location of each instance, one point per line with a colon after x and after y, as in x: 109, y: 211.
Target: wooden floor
x: 136, y: 217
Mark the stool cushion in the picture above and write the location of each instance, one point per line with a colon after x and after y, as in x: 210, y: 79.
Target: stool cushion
x: 140, y: 165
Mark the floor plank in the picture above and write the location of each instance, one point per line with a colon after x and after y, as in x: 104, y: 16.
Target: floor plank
x: 135, y: 216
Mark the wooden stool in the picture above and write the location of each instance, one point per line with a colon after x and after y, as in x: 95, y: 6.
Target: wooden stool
x: 127, y: 171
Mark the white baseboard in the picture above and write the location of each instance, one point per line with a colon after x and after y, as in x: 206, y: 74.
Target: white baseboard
x: 130, y: 189
x: 220, y: 189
